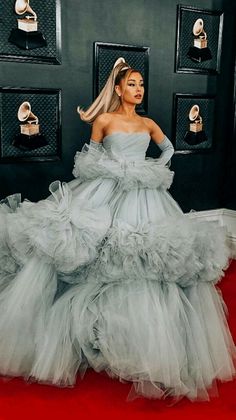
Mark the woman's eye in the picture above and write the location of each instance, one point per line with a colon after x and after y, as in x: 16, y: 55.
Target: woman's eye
x: 132, y: 84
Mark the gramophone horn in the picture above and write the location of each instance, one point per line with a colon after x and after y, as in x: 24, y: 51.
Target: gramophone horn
x: 25, y: 114
x: 198, y: 28
x: 24, y: 111
x: 193, y: 113
x: 22, y: 6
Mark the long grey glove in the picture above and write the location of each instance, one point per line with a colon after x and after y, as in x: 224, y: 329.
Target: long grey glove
x: 167, y: 151
x: 95, y: 144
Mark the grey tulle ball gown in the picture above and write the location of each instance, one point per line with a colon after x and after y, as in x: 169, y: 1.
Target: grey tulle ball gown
x: 109, y: 273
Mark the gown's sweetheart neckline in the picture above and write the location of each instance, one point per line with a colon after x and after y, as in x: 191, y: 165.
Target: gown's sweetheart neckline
x: 125, y: 132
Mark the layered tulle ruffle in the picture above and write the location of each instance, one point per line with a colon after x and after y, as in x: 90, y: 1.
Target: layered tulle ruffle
x: 143, y: 306
x: 62, y: 230
x: 177, y: 250
x: 92, y: 163
x: 8, y: 264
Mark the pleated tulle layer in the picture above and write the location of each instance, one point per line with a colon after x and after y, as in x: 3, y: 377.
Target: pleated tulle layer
x: 72, y: 233
x: 165, y: 339
x: 176, y: 250
x: 109, y: 273
x: 63, y: 232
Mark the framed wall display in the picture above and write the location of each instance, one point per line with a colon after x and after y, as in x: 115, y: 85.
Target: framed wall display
x: 193, y: 122
x: 30, y: 31
x: 30, y: 124
x: 198, y: 40
x: 105, y: 55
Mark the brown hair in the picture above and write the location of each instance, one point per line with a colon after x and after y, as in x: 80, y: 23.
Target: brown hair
x: 107, y: 100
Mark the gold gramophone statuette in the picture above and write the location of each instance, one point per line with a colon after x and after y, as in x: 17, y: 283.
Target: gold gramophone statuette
x: 200, y: 40
x: 195, y: 133
x: 199, y: 51
x: 29, y: 137
x: 196, y: 119
x: 31, y: 123
x: 26, y: 36
x: 29, y: 23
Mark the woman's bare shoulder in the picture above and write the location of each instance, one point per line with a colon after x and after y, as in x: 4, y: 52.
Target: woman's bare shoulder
x: 99, y: 126
x: 102, y: 118
x: 151, y: 124
x: 154, y: 129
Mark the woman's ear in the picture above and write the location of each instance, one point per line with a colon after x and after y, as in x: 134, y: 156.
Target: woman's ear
x: 117, y: 89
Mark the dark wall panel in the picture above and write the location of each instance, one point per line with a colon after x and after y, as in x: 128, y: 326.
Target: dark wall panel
x: 199, y: 178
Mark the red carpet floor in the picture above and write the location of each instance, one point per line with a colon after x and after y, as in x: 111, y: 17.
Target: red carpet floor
x: 98, y: 396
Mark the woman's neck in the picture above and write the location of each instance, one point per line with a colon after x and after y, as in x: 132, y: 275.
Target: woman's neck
x: 127, y: 110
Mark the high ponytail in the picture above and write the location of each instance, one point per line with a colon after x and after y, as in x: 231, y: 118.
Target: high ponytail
x: 107, y: 100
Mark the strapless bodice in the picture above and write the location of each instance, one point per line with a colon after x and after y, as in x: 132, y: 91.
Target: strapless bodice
x: 128, y: 146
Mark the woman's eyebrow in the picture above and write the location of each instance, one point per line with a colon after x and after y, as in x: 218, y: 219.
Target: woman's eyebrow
x: 133, y: 80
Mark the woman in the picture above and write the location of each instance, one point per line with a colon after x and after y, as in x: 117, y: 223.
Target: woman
x: 109, y: 273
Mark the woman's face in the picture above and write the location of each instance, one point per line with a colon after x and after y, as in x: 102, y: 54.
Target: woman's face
x: 133, y: 91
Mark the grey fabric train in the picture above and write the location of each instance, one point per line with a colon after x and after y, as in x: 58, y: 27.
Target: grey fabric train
x: 109, y: 273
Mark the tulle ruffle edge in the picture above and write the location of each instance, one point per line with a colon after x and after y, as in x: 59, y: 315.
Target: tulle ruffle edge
x: 148, y: 293
x: 92, y: 163
x: 177, y: 250
x: 165, y: 341
x: 73, y: 234
x: 65, y: 233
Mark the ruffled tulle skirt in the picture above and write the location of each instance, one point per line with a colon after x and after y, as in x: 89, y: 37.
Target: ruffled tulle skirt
x: 114, y: 276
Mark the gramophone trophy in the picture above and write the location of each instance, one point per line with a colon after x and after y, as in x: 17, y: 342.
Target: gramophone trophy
x: 30, y: 137
x: 26, y: 36
x: 199, y: 51
x: 196, y: 134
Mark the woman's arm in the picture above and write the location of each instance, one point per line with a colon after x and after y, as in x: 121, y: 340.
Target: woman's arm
x: 162, y: 141
x: 98, y: 127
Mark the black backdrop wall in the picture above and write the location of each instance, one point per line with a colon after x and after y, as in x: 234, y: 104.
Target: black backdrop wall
x: 200, y: 180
